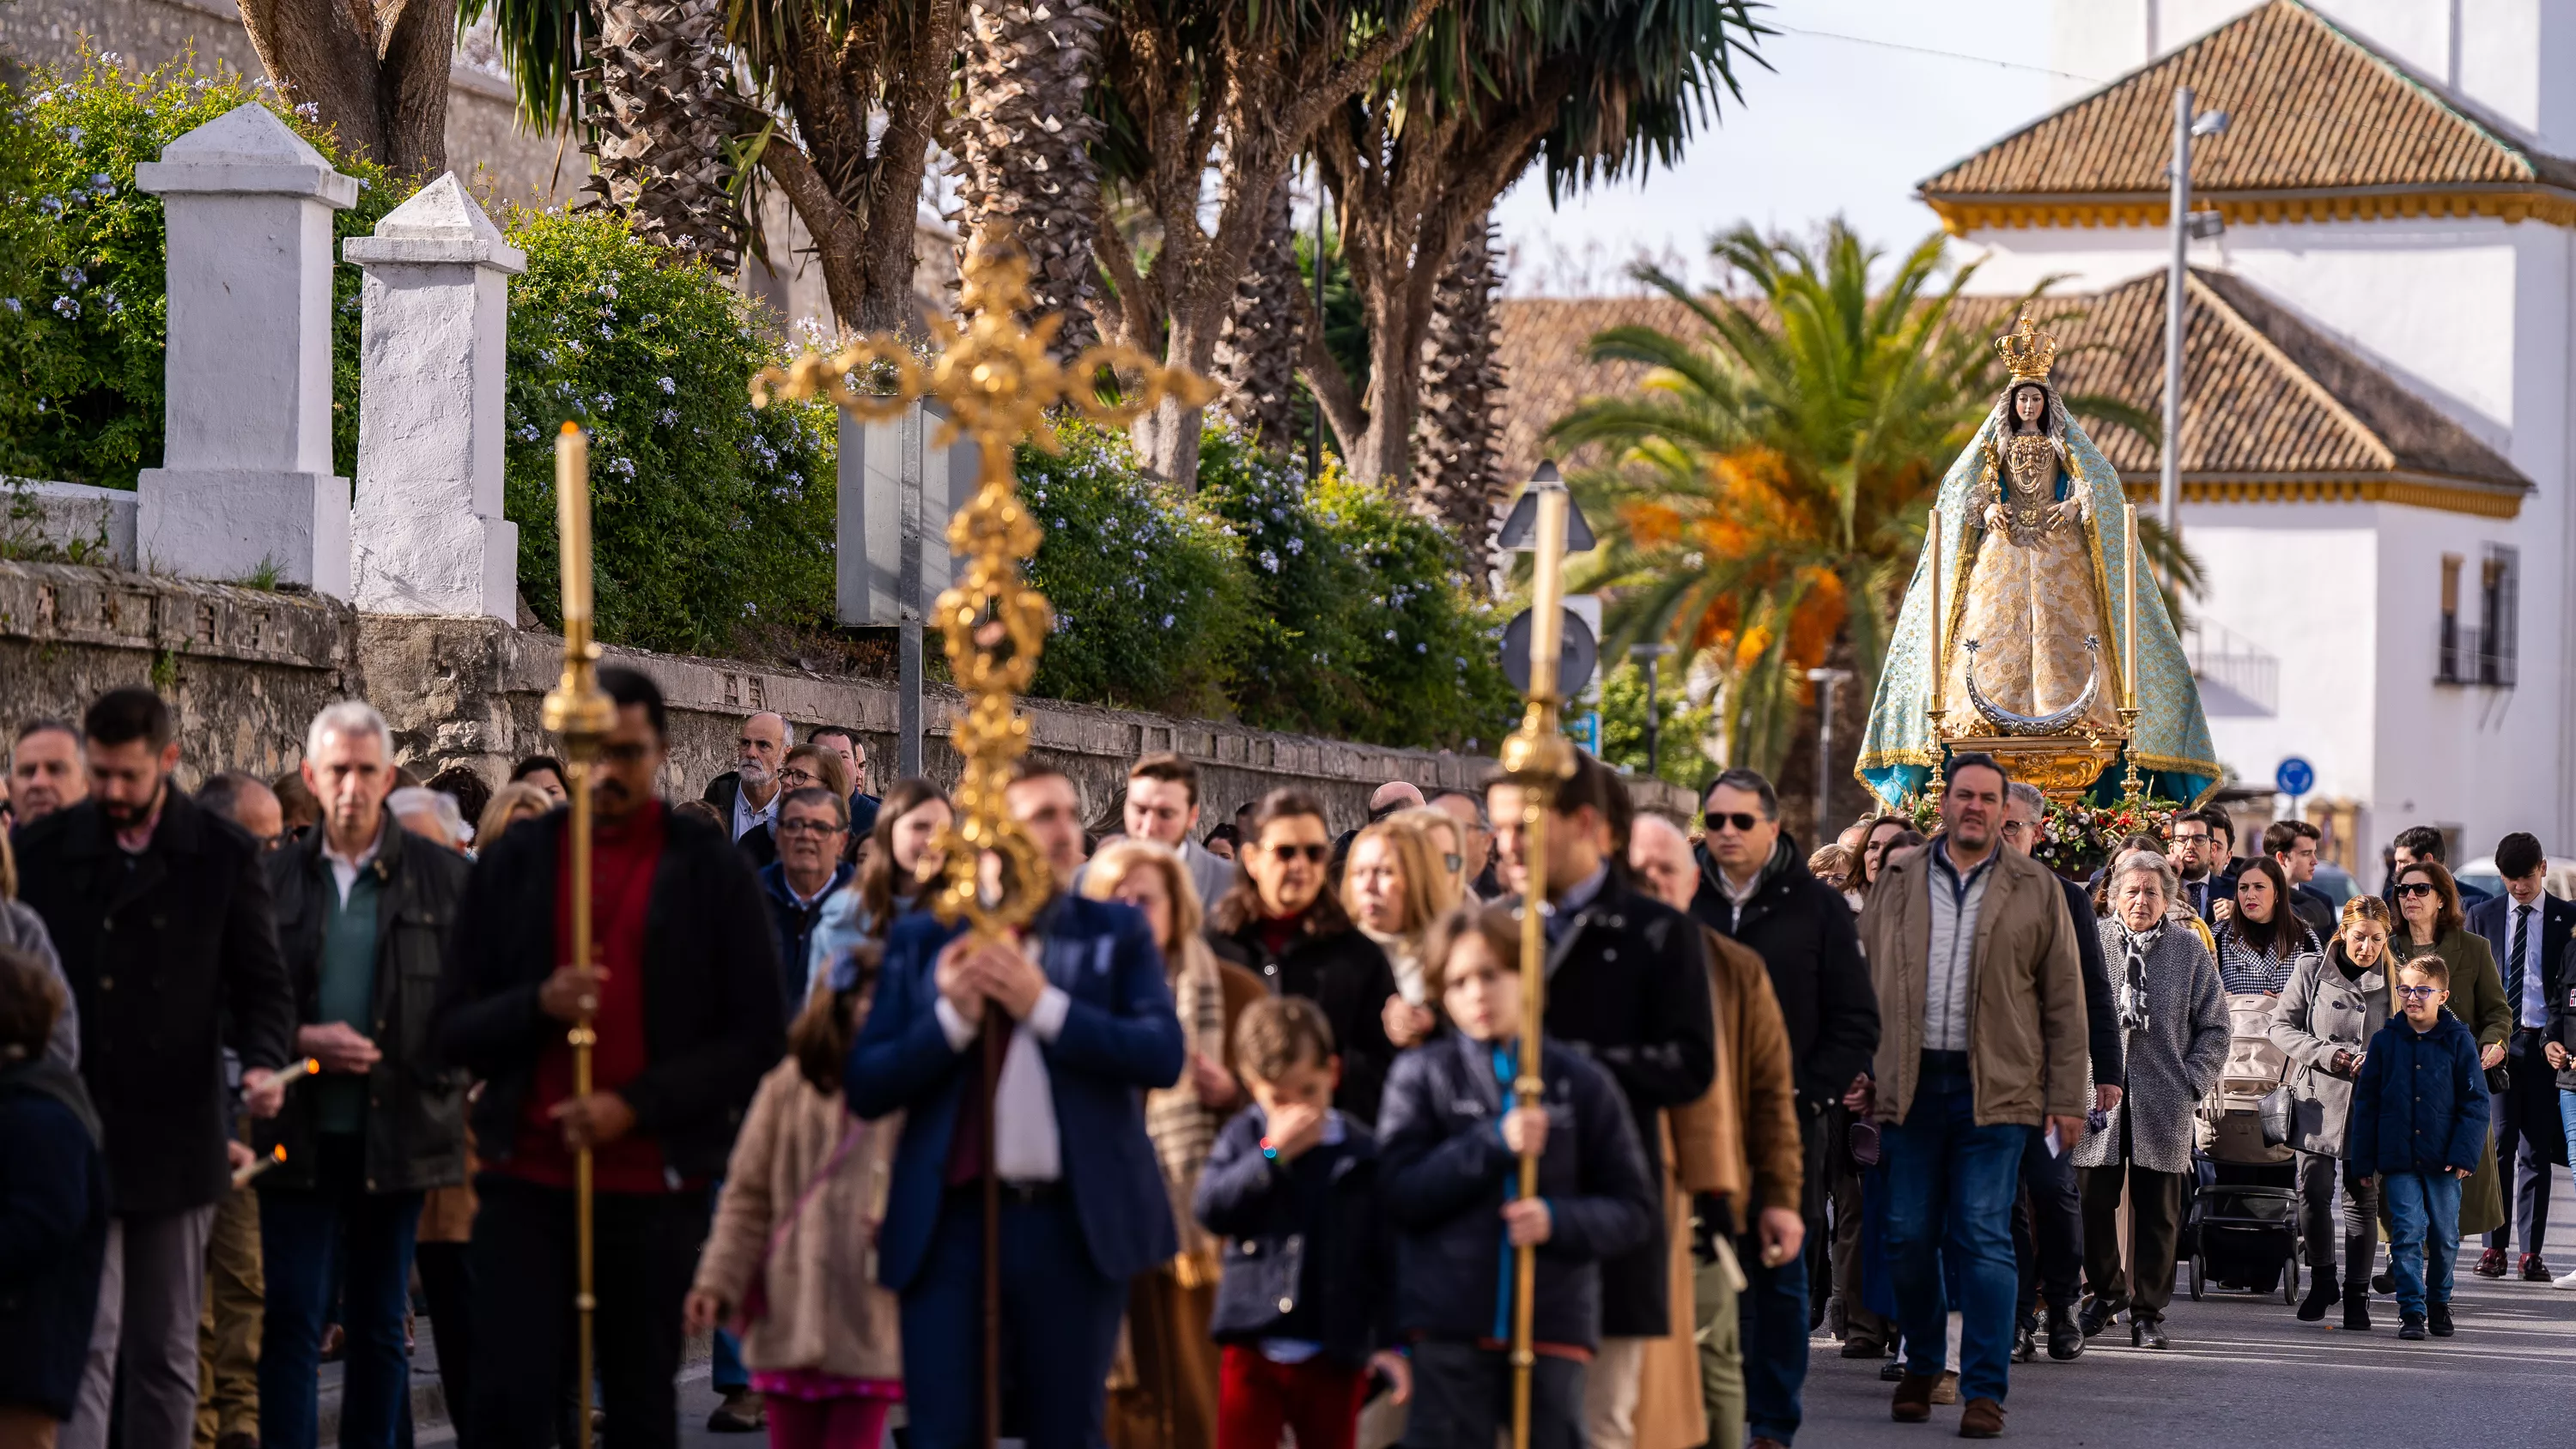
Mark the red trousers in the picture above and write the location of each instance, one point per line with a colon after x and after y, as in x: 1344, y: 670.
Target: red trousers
x: 1319, y: 1399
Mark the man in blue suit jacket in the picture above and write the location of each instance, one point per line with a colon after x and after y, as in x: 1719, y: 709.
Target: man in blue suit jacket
x: 2528, y: 929
x: 1090, y: 1023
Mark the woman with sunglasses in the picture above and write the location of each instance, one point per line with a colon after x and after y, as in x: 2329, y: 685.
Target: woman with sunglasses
x: 1282, y: 924
x: 2428, y: 900
x: 2331, y: 1007
x: 1394, y: 887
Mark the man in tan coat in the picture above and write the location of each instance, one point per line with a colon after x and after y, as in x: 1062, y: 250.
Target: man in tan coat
x: 1735, y: 1163
x: 1981, y: 1004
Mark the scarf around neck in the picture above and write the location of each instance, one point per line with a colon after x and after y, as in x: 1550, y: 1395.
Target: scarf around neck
x: 2136, y: 946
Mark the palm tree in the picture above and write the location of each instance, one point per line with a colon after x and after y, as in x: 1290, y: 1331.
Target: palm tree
x: 1256, y: 358
x: 1765, y: 490
x: 664, y: 116
x: 1457, y: 434
x: 1025, y: 137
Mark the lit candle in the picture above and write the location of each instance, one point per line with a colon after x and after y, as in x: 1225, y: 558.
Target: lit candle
x: 242, y: 1175
x: 572, y: 520
x: 2129, y: 581
x: 1939, y: 614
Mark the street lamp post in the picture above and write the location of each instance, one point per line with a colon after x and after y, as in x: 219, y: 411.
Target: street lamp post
x: 2185, y: 227
x: 1826, y: 682
x: 1650, y: 655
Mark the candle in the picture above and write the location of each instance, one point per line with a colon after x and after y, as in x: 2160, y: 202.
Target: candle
x: 1547, y: 594
x: 249, y: 1170
x: 305, y: 1068
x: 2129, y: 581
x: 1939, y: 614
x: 572, y: 520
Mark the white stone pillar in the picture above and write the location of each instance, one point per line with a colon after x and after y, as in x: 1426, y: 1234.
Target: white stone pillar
x: 427, y: 533
x: 245, y: 481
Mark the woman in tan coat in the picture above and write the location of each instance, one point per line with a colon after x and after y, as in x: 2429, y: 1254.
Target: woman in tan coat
x: 791, y: 1258
x: 1163, y: 1386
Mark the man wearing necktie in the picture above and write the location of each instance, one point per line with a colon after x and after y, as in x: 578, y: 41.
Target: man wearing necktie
x: 1082, y: 1000
x: 2528, y: 929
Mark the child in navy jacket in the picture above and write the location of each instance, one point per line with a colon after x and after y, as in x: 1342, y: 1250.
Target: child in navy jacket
x: 1451, y: 1145
x: 1292, y: 1186
x: 53, y: 1209
x: 2419, y: 1123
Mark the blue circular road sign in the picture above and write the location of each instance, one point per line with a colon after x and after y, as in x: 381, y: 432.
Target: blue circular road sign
x: 2295, y: 776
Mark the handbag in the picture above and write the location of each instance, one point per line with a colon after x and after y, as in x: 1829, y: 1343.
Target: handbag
x: 2274, y: 1109
x: 755, y: 1294
x: 2498, y: 1079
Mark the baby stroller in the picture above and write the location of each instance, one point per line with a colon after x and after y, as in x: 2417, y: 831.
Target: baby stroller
x: 2241, y: 1226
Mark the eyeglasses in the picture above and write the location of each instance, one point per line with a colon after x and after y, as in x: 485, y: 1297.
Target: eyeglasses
x: 1456, y: 863
x: 1741, y: 820
x: 2201, y: 838
x: 806, y: 827
x: 1311, y: 854
x: 2417, y: 993
x: 2416, y: 888
x: 795, y: 779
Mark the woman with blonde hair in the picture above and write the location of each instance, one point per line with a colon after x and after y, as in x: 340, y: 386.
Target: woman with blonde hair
x: 509, y: 805
x: 1163, y: 1393
x: 898, y: 866
x: 2331, y: 1007
x: 1394, y: 887
x: 1448, y: 847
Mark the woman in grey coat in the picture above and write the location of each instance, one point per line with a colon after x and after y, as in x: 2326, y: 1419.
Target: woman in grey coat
x: 2174, y: 1022
x: 2328, y: 1013
x: 23, y: 930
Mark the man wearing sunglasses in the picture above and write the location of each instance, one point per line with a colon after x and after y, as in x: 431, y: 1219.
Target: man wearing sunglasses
x: 684, y: 997
x: 1756, y: 890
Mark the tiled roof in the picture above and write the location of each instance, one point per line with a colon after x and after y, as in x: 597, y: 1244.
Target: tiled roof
x: 2268, y: 398
x: 2311, y: 109
x: 2265, y: 395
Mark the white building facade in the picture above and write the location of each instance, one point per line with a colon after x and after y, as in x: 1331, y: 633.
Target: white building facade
x: 2400, y: 249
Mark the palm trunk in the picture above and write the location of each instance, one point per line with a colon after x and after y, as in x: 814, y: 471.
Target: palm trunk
x: 378, y: 81
x: 1026, y: 141
x: 1256, y: 358
x: 663, y: 104
x: 1457, y: 475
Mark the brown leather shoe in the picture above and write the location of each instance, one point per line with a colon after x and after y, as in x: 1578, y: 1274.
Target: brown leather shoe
x: 1982, y: 1419
x: 1913, y: 1402
x: 1946, y: 1391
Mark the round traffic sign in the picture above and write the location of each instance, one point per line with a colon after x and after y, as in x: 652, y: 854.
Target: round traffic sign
x: 2295, y: 776
x: 1577, y: 653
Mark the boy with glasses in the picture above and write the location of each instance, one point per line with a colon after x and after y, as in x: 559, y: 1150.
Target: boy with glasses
x: 2419, y: 1123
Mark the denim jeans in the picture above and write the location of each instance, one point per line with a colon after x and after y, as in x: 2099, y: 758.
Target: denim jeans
x: 1772, y: 1316
x: 1951, y: 1189
x: 2424, y: 1235
x: 370, y: 1235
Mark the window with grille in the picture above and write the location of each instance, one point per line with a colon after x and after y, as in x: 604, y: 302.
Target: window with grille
x: 2478, y: 625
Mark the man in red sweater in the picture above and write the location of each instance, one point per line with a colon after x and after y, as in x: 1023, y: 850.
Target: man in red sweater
x: 684, y: 998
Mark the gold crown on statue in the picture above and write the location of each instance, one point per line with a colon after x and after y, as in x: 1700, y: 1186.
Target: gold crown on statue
x: 2027, y: 351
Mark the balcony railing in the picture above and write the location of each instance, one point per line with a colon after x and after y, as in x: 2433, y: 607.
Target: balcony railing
x: 2222, y: 657
x: 2471, y: 655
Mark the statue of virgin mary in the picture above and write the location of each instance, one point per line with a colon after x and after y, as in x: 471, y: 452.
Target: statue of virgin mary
x: 2033, y: 552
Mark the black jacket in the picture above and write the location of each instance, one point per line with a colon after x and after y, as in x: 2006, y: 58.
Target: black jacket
x: 760, y: 845
x: 711, y: 1019
x: 1307, y: 1254
x: 2102, y: 1035
x: 2562, y: 1018
x: 1802, y: 928
x: 2316, y: 909
x: 1628, y: 987
x: 415, y: 1132
x: 160, y: 948
x: 1343, y: 972
x: 1443, y: 1170
x: 794, y: 925
x: 53, y: 1234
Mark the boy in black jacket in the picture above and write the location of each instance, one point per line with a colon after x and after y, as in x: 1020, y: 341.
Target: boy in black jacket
x: 1292, y: 1186
x: 2419, y: 1124
x: 53, y: 1210
x: 1451, y: 1154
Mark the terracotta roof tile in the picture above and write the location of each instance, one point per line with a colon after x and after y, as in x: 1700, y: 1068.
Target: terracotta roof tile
x: 1542, y: 342
x: 2310, y: 107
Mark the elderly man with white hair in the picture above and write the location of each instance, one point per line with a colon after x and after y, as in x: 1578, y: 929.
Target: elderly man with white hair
x: 2174, y: 1025
x: 431, y: 815
x: 362, y: 912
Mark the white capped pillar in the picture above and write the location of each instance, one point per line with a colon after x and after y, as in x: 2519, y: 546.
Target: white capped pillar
x: 427, y: 533
x: 245, y: 482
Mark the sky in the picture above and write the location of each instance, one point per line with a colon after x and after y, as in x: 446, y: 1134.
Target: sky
x: 1864, y: 99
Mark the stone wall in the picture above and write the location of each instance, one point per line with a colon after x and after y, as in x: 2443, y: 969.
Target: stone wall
x: 246, y: 669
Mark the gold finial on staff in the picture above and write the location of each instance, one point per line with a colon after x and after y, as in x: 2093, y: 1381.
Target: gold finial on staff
x: 582, y: 714
x: 998, y: 381
x: 1537, y: 758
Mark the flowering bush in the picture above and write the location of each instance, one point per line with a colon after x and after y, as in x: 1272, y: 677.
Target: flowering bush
x: 1149, y: 596
x: 83, y: 318
x: 709, y: 515
x: 2074, y: 840
x: 1363, y: 627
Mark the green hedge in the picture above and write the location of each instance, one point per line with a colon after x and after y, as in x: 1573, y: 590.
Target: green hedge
x: 83, y: 316
x: 710, y: 515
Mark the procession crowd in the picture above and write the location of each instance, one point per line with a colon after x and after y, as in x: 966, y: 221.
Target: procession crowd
x: 285, y: 1074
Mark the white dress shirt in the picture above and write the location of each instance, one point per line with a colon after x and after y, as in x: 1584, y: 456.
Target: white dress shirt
x: 345, y: 868
x: 2533, y: 1009
x: 1026, y: 1145
x: 745, y: 819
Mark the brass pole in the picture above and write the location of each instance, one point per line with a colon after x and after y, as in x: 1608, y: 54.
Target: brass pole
x: 578, y: 711
x: 1536, y: 758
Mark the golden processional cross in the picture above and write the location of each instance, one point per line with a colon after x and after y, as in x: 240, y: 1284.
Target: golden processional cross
x: 997, y: 379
